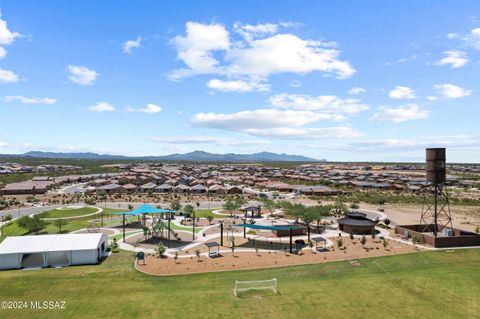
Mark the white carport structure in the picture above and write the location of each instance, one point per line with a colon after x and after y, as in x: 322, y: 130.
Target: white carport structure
x: 52, y: 250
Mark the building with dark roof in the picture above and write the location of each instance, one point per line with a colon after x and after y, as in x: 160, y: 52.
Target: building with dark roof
x: 356, y: 223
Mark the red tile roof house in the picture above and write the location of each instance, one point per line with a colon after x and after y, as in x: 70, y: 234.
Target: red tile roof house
x: 130, y: 188
x: 28, y: 187
x: 181, y: 189
x: 216, y: 189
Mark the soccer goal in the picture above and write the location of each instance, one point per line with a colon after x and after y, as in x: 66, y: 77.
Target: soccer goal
x: 255, y: 285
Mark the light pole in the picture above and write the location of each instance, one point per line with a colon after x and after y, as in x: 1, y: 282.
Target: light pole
x: 193, y: 233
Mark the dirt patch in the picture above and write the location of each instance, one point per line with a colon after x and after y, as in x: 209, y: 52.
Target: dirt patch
x: 239, y: 260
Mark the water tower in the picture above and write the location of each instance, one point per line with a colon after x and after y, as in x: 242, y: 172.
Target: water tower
x: 436, y: 216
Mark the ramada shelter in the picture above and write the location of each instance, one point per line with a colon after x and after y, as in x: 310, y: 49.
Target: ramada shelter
x: 52, y: 250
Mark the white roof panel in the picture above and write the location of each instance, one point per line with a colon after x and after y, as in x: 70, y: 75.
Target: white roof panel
x: 45, y: 243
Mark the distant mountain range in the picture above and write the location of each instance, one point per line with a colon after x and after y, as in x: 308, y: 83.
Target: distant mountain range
x: 200, y: 156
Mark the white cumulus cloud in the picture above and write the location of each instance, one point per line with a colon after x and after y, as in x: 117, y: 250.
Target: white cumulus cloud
x: 7, y: 76
x: 451, y: 91
x: 29, y: 100
x: 221, y: 141
x: 258, y: 53
x: 237, y: 86
x: 473, y: 38
x: 454, y: 58
x: 7, y: 37
x: 325, y: 103
x: 100, y: 107
x: 129, y: 45
x: 305, y: 133
x: 401, y: 113
x: 356, y: 91
x: 402, y: 93
x: 151, y: 108
x: 196, y: 48
x: 249, y: 31
x: 82, y: 75
x: 259, y: 118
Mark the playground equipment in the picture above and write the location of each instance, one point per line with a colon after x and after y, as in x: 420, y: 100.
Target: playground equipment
x: 229, y: 234
x: 159, y: 226
x: 255, y: 285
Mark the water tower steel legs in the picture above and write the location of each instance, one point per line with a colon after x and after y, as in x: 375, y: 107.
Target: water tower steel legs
x: 436, y: 213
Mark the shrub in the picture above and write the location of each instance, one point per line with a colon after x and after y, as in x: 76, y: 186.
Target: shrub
x: 386, y: 221
x: 418, y: 239
x: 114, y: 246
x: 363, y: 241
x: 351, y: 235
x: 339, y: 242
x: 160, y: 249
x: 209, y: 218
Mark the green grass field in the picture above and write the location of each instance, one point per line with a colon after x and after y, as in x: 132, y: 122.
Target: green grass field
x: 61, y: 213
x: 13, y: 229
x: 422, y: 285
x: 184, y: 228
x: 204, y: 213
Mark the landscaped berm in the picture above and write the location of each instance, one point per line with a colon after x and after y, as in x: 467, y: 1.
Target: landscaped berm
x: 447, y: 283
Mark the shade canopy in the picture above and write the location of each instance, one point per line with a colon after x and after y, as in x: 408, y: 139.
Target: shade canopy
x: 279, y: 227
x: 146, y: 209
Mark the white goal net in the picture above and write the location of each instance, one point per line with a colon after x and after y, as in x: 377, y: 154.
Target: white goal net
x: 255, y: 285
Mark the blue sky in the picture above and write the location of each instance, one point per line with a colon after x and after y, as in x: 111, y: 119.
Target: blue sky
x: 337, y: 80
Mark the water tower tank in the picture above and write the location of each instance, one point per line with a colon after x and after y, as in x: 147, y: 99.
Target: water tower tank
x: 436, y: 168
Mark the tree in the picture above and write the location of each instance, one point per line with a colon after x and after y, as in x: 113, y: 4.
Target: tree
x: 229, y: 206
x: 239, y: 201
x: 269, y: 204
x: 296, y: 211
x: 386, y: 221
x: 175, y: 205
x: 188, y: 211
x: 32, y: 224
x: 309, y: 214
x: 59, y: 223
x: 197, y: 253
x: 175, y: 257
x: 130, y: 207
